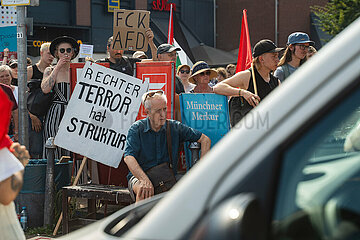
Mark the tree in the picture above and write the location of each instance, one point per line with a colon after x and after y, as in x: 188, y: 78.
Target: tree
x: 336, y: 15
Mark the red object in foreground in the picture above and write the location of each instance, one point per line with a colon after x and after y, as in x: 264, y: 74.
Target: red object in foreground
x: 5, y: 113
x: 244, y: 55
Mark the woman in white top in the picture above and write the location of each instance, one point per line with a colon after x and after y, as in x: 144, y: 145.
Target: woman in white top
x: 183, y: 72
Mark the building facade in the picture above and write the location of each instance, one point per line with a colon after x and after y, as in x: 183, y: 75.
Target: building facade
x: 210, y: 23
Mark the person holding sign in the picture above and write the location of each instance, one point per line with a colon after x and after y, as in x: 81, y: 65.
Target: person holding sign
x: 57, y: 78
x: 121, y: 63
x: 152, y: 143
x: 253, y: 84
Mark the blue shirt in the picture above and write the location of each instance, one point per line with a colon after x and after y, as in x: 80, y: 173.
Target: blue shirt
x: 150, y: 149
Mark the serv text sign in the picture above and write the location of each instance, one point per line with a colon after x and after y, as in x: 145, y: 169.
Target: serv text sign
x: 15, y: 2
x: 129, y: 29
x: 100, y: 112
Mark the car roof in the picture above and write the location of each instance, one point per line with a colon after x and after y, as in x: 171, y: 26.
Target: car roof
x: 308, y: 89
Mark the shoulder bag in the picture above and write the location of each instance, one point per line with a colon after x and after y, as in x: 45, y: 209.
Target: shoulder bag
x: 38, y: 102
x: 162, y: 176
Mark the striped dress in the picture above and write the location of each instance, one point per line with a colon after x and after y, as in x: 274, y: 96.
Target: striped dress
x: 54, y: 116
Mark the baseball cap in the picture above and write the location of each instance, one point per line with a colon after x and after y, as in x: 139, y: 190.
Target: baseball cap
x: 166, y: 48
x: 139, y: 54
x: 299, y: 37
x: 265, y: 46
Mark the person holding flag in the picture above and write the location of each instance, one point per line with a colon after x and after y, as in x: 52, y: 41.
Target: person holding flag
x: 255, y: 83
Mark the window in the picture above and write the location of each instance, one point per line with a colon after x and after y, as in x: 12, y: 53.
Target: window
x: 319, y: 186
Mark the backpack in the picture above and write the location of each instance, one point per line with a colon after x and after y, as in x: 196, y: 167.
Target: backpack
x: 38, y: 102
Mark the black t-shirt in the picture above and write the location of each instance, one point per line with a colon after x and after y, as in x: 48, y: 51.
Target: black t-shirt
x: 124, y: 65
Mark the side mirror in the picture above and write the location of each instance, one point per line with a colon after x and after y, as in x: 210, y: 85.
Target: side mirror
x: 239, y: 217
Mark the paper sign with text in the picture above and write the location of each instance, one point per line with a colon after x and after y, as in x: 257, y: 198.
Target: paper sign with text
x: 86, y: 51
x: 99, y: 114
x: 129, y: 30
x: 8, y: 38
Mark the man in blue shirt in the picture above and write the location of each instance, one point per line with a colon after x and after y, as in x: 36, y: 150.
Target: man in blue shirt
x: 146, y: 144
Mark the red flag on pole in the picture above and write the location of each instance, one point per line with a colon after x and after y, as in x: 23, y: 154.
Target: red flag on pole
x: 244, y: 55
x: 171, y: 27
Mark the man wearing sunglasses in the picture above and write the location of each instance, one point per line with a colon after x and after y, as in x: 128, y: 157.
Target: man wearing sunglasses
x: 147, y: 147
x: 122, y: 63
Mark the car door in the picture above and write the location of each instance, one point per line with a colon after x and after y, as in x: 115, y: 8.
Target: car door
x: 318, y: 192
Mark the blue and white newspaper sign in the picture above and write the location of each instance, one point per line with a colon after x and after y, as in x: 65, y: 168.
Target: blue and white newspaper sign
x: 206, y: 112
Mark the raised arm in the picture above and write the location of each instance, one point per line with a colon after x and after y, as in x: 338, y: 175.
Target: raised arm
x: 153, y: 48
x: 6, y: 56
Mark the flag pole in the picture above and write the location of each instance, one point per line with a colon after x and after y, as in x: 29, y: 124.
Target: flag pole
x: 170, y: 27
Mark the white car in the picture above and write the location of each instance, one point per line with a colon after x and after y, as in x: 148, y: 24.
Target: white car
x: 281, y: 173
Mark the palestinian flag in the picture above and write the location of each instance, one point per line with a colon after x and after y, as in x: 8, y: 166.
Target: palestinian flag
x: 177, y: 38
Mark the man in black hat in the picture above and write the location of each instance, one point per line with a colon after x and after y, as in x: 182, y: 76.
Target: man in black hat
x: 121, y: 63
x: 241, y: 87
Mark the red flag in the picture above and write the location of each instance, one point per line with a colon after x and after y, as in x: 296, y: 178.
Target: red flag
x: 244, y: 55
x: 171, y: 27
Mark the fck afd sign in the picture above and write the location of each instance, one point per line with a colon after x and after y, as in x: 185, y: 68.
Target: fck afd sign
x: 100, y: 112
x: 129, y: 30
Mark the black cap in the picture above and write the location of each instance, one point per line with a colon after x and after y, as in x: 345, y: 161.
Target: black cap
x: 166, y: 48
x: 265, y: 46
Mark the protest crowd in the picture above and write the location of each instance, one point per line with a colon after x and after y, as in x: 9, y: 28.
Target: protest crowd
x: 151, y: 145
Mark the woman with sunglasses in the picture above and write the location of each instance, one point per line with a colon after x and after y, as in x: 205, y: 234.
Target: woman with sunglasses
x: 294, y: 56
x: 183, y: 72
x: 57, y: 79
x: 201, y: 76
x: 241, y: 86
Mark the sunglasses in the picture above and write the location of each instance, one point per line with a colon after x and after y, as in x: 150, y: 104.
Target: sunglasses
x: 153, y: 93
x: 185, y: 71
x: 68, y: 50
x: 13, y: 66
x: 207, y: 73
x: 303, y: 47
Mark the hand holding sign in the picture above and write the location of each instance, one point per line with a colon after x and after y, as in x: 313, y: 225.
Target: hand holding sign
x: 130, y: 30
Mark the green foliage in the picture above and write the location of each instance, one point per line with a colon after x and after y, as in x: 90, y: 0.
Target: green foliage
x: 336, y: 15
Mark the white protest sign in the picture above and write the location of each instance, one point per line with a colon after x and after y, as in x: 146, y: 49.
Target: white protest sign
x: 86, y: 51
x: 99, y: 114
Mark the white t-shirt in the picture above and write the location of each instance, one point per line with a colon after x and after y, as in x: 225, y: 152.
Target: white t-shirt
x: 9, y: 224
x: 16, y: 94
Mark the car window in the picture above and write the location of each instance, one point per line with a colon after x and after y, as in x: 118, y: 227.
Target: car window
x: 318, y: 193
